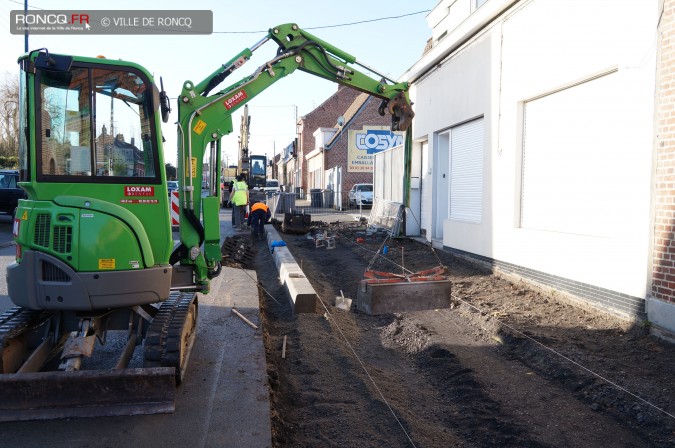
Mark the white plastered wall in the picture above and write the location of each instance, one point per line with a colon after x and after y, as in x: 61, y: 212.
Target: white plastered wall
x: 536, y: 49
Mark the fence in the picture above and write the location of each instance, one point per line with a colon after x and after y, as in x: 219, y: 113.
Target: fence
x: 331, y: 207
x: 319, y: 203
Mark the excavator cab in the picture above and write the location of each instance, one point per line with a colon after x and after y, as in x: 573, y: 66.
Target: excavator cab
x: 95, y: 226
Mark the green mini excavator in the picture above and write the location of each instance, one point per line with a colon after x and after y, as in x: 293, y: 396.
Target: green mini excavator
x: 94, y: 243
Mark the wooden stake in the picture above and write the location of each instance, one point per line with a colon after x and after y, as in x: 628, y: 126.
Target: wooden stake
x: 244, y: 319
x: 283, y: 349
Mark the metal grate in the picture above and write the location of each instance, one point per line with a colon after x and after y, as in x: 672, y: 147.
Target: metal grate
x: 63, y: 238
x: 52, y: 273
x: 42, y: 229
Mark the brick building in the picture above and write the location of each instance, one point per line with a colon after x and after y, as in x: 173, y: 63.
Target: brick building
x: 361, y: 113
x: 339, y: 140
x: 661, y: 305
x: 325, y: 115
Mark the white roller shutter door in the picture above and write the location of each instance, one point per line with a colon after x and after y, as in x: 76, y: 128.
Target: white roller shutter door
x: 466, y: 172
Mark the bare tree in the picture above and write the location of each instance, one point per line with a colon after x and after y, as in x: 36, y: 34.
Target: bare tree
x: 171, y: 171
x: 9, y: 115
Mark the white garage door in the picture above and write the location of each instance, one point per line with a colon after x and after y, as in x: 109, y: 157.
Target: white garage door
x: 569, y: 178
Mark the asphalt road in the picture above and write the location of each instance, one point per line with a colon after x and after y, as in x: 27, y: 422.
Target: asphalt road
x: 223, y: 402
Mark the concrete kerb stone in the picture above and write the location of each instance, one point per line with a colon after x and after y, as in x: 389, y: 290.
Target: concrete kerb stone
x: 302, y: 294
x: 661, y: 315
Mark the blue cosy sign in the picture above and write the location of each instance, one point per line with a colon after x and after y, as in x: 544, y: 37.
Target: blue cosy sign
x: 373, y: 141
x: 363, y: 144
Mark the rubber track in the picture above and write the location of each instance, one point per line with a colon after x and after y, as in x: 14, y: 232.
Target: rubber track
x: 163, y: 339
x: 16, y: 321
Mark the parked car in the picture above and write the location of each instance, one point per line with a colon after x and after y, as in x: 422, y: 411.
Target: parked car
x: 361, y: 195
x: 205, y: 185
x: 172, y: 185
x: 10, y: 192
x: 271, y: 186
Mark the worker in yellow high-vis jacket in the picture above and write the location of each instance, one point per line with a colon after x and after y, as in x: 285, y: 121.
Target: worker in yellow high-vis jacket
x: 239, y: 201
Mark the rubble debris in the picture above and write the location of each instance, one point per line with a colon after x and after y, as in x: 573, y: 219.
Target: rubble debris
x: 238, y: 249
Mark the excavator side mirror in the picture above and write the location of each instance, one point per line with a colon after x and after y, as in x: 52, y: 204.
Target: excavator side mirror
x: 164, y: 105
x: 54, y: 62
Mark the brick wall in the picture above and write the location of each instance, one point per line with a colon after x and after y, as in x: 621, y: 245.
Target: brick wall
x: 337, y: 154
x: 663, y: 261
x: 326, y: 116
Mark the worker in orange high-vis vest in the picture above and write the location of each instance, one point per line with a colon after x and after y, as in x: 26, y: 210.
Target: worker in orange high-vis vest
x: 257, y: 217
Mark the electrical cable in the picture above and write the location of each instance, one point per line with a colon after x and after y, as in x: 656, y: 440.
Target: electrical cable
x: 332, y: 26
x: 259, y: 285
x: 22, y: 4
x: 566, y: 358
x: 372, y: 380
x: 377, y: 254
x: 372, y: 261
x: 433, y: 250
x: 606, y: 380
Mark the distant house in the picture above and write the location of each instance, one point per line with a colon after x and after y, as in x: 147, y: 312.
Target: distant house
x: 121, y: 158
x: 323, y: 116
x: 337, y: 141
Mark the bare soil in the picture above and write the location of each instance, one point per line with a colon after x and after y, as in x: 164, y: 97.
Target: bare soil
x: 507, y: 365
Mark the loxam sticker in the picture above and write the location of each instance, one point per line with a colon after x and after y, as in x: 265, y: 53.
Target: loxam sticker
x: 235, y: 99
x: 139, y: 191
x: 106, y: 263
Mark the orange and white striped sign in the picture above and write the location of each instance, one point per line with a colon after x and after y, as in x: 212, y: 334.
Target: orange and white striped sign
x: 175, y: 215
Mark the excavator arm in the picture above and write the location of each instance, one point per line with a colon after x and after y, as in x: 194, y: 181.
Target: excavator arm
x: 204, y: 118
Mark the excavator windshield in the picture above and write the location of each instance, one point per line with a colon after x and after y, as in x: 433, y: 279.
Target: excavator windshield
x: 95, y: 122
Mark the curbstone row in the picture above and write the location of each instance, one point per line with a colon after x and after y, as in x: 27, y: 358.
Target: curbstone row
x: 301, y: 293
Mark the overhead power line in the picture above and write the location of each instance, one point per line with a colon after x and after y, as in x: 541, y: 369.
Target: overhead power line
x: 21, y: 3
x: 331, y: 26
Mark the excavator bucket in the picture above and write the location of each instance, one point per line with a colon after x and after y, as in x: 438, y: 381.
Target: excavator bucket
x: 87, y: 393
x: 401, y: 112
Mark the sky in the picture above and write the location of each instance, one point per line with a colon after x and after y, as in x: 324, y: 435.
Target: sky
x: 389, y: 46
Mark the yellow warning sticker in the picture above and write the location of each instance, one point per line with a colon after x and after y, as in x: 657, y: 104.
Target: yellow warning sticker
x: 24, y: 217
x: 193, y: 172
x: 106, y: 263
x: 199, y: 127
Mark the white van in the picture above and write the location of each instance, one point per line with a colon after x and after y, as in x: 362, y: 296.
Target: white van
x: 271, y: 186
